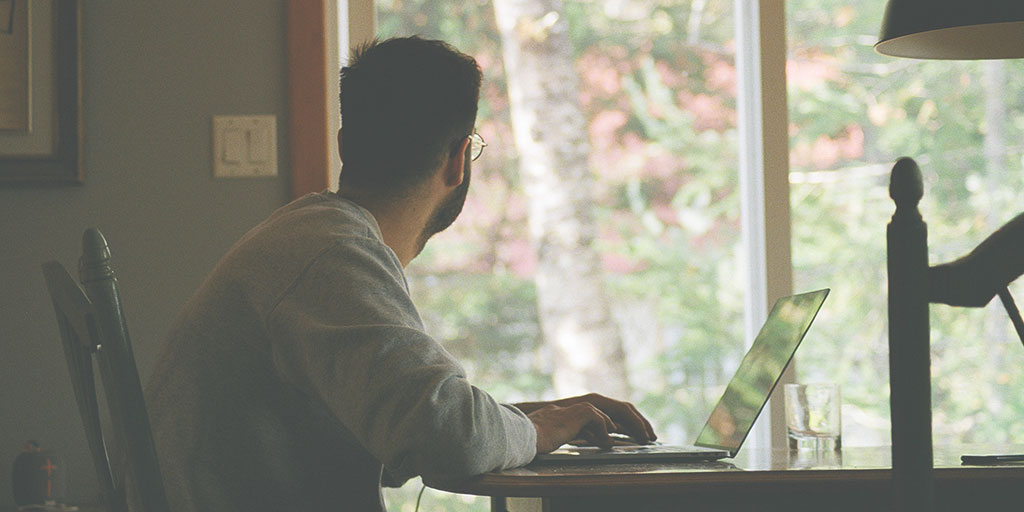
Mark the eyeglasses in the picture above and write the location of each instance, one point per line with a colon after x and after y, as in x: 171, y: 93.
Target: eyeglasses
x: 476, y: 145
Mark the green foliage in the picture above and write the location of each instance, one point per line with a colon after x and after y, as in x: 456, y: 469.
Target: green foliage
x: 405, y: 499
x: 935, y: 112
x: 658, y: 93
x: 490, y: 322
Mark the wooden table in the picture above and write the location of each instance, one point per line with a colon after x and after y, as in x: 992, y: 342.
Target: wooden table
x: 856, y: 479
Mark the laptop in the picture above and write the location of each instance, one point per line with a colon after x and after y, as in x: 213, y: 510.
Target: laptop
x: 741, y: 403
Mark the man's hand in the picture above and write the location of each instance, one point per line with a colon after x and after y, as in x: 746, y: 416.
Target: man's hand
x: 589, y: 417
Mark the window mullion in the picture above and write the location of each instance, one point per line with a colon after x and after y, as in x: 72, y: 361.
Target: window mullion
x: 764, y: 175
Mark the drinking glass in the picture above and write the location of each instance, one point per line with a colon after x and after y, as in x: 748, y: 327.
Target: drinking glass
x: 813, y: 416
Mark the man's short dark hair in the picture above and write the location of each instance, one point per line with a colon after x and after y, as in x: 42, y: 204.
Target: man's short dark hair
x: 405, y: 104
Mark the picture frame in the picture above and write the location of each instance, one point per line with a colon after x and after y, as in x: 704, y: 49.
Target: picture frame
x: 61, y: 163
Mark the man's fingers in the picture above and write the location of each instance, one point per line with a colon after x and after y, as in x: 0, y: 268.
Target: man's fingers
x: 634, y: 423
x: 641, y: 423
x: 591, y: 417
x: 628, y: 419
x: 594, y: 424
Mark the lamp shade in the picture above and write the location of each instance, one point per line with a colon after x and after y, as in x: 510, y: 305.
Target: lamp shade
x: 953, y: 29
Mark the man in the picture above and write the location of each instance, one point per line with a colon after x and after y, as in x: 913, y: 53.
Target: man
x: 300, y: 370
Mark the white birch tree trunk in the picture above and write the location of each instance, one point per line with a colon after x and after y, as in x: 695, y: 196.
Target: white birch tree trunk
x: 550, y: 133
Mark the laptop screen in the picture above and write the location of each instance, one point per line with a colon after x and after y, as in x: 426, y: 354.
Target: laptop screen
x: 760, y: 370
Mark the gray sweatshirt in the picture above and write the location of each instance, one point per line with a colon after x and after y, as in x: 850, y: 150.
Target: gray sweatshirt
x: 301, y: 366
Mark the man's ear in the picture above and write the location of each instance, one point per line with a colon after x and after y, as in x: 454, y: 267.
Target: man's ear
x: 455, y: 167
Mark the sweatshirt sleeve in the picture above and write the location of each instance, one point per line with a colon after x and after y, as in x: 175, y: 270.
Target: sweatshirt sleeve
x: 346, y: 332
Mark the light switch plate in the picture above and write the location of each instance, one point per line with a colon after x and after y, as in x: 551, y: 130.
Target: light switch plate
x: 244, y: 146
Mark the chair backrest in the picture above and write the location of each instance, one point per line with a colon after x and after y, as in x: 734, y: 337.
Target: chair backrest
x: 92, y: 323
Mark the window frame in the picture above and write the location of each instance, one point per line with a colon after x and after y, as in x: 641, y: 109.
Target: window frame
x: 309, y: 102
x: 764, y: 177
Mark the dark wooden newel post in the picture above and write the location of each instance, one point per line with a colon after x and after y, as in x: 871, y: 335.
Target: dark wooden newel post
x: 909, y: 343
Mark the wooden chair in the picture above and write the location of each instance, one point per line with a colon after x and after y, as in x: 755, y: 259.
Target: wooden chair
x: 92, y: 322
x: 971, y: 281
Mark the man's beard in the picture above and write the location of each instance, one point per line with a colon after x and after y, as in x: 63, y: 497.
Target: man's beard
x: 446, y: 213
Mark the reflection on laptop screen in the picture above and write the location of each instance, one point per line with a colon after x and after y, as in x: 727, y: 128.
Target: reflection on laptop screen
x: 747, y: 392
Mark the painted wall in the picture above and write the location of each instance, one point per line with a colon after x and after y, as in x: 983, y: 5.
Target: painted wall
x: 153, y: 75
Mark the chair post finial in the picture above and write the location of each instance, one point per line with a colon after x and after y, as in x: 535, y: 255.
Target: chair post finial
x: 906, y: 187
x: 94, y: 265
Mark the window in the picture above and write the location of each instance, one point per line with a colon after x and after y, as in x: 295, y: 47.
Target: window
x: 640, y: 144
x: 852, y: 114
x: 654, y: 160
